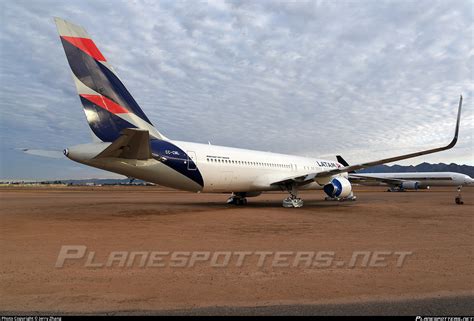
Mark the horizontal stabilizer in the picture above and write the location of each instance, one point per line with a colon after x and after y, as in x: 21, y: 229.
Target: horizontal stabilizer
x: 42, y: 152
x: 131, y: 144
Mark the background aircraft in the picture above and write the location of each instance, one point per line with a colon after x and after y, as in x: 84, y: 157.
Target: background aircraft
x: 126, y: 142
x: 409, y: 181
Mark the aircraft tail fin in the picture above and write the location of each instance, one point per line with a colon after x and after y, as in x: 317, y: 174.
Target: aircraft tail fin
x: 108, y: 105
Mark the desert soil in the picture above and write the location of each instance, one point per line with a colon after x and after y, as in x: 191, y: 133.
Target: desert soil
x: 36, y: 222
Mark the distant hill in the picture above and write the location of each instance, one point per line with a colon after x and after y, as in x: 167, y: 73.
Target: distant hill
x: 423, y: 167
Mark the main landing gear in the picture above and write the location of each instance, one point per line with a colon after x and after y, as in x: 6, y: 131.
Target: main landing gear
x: 292, y: 200
x: 237, y: 199
x: 395, y: 189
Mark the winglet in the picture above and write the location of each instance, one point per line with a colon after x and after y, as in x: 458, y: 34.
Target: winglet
x: 456, y: 131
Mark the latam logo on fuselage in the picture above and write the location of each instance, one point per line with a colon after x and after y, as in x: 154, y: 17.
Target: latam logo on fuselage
x: 327, y: 164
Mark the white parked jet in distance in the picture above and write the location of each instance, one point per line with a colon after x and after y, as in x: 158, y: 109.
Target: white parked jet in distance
x: 399, y: 182
x: 127, y: 143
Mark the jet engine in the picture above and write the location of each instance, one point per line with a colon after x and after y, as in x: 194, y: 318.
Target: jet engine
x: 338, y: 187
x: 410, y: 185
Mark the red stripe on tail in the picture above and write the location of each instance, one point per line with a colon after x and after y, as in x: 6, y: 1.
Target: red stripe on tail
x: 105, y: 103
x: 86, y: 45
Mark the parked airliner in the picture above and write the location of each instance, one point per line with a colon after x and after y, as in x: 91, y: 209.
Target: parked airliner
x: 399, y: 182
x: 126, y: 142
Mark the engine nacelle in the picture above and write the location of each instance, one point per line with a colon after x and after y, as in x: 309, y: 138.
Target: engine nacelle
x: 410, y: 185
x: 338, y: 187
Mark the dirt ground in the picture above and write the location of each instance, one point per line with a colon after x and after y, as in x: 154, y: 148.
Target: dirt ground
x: 36, y: 222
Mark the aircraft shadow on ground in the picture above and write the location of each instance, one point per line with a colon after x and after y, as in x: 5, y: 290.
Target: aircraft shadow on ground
x: 164, y: 208
x: 262, y: 204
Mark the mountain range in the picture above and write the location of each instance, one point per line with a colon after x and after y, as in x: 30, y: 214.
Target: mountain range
x: 423, y: 167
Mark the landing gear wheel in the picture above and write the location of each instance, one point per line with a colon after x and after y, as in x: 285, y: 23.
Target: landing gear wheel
x: 292, y: 202
x: 237, y: 200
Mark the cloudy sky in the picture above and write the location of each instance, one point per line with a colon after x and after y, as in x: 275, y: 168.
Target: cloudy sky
x: 365, y: 79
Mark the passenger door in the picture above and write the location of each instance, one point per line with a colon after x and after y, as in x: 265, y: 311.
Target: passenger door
x: 192, y: 160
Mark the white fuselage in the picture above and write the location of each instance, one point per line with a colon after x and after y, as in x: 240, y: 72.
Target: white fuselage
x: 223, y: 169
x: 232, y: 169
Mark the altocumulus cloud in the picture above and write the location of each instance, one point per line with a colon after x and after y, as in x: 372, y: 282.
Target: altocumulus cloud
x: 366, y: 79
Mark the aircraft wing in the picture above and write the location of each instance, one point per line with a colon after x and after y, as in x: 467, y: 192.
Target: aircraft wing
x: 310, y: 177
x: 132, y: 144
